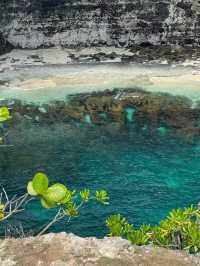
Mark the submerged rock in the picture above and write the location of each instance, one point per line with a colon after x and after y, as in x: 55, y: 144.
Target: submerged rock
x: 156, y: 112
x: 70, y: 250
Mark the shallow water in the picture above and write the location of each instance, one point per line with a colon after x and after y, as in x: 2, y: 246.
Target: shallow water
x: 145, y: 175
x: 41, y: 84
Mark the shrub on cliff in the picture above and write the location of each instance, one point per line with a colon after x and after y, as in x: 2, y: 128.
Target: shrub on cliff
x: 179, y: 230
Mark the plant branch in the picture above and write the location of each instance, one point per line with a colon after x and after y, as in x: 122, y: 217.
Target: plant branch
x: 13, y: 205
x: 59, y: 216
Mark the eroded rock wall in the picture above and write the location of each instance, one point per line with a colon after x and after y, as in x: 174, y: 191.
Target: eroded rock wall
x: 5, y: 46
x: 75, y: 23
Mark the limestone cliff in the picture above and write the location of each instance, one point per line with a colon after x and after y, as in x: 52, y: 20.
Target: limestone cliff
x: 75, y: 23
x: 70, y: 250
x: 5, y: 46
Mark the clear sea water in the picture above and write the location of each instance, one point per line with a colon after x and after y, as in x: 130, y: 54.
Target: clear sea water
x: 146, y: 175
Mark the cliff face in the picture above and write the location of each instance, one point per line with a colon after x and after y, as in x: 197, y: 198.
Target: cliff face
x: 5, y: 46
x: 75, y: 23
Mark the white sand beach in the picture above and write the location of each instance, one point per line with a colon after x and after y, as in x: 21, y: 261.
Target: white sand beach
x: 54, y: 80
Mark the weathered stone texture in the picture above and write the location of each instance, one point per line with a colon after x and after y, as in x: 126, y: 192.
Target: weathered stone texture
x: 70, y: 250
x: 73, y: 23
x: 5, y: 46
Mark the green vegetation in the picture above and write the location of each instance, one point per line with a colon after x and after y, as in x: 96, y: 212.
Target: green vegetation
x: 4, y: 114
x: 4, y: 117
x: 67, y: 203
x: 179, y: 230
x: 58, y: 196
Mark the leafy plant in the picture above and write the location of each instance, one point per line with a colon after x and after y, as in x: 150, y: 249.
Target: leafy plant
x: 85, y: 195
x: 4, y: 117
x: 102, y: 196
x: 58, y: 196
x: 192, y: 238
x: 180, y: 230
x: 138, y: 237
x: 4, y: 114
x: 118, y: 226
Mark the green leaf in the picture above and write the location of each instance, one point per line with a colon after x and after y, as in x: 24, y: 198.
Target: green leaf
x: 40, y: 183
x: 56, y: 193
x: 31, y: 190
x: 4, y: 114
x: 85, y: 195
x: 72, y: 210
x: 46, y: 204
x: 102, y: 196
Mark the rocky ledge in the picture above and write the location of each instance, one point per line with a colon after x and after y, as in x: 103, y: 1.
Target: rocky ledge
x: 147, y: 55
x: 70, y: 250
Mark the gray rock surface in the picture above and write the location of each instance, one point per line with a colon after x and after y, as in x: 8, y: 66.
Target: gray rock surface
x: 70, y: 250
x: 5, y: 46
x: 78, y: 23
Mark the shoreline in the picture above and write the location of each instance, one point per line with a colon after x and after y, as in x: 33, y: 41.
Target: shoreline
x: 21, y: 76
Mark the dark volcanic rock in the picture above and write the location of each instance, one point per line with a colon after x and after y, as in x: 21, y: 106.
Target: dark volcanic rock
x: 79, y: 23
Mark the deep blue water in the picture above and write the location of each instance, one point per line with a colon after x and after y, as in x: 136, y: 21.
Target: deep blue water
x: 146, y: 175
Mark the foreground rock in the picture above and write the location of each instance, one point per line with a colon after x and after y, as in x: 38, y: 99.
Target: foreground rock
x: 69, y: 250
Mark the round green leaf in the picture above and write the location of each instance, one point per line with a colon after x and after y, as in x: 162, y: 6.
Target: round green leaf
x: 31, y: 190
x: 40, y: 183
x: 46, y: 204
x: 56, y: 193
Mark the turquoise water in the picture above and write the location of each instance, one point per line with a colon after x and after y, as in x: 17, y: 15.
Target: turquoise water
x: 145, y: 174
